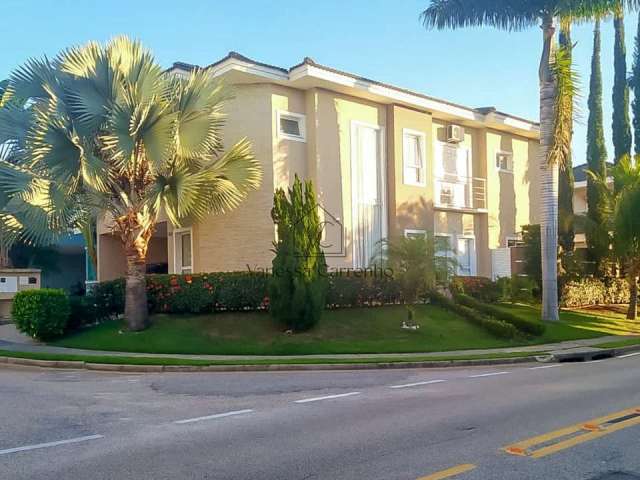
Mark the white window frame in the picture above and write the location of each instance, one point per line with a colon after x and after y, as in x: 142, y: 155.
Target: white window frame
x: 383, y: 180
x: 498, y: 167
x: 473, y: 267
x: 422, y: 139
x: 180, y: 269
x: 408, y: 232
x: 302, y: 124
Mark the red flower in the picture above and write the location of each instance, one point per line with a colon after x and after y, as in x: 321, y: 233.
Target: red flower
x: 188, y: 278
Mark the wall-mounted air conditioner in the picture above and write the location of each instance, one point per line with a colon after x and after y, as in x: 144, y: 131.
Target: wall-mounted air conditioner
x: 455, y: 134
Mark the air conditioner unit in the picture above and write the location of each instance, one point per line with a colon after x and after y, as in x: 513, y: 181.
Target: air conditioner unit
x: 455, y: 134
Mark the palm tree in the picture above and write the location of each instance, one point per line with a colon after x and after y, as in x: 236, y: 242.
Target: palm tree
x: 621, y: 209
x: 108, y: 132
x: 515, y: 15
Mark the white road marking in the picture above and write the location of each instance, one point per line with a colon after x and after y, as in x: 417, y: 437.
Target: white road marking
x: 492, y: 374
x: 328, y: 397
x: 417, y: 384
x: 50, y: 444
x: 213, y: 417
x: 629, y: 355
x: 546, y: 366
x: 593, y: 361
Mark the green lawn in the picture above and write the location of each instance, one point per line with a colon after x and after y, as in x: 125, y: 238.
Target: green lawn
x: 374, y: 330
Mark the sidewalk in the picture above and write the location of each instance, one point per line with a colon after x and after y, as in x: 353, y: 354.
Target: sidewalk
x: 12, y: 340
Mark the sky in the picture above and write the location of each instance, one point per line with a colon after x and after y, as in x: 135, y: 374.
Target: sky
x: 379, y: 39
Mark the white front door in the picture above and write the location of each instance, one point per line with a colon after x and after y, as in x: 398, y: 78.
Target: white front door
x: 466, y: 256
x: 367, y: 192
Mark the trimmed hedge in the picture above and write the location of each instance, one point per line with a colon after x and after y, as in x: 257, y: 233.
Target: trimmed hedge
x: 522, y: 324
x: 42, y: 313
x: 592, y: 291
x: 496, y: 327
x: 237, y: 291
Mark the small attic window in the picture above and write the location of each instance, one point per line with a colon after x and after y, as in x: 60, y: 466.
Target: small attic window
x: 291, y: 126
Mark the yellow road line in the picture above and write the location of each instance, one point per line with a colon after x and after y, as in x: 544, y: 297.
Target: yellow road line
x: 449, y: 472
x: 594, y: 428
x: 572, y: 442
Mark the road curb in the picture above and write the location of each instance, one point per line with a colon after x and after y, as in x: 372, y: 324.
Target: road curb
x: 112, y: 367
x: 593, y: 353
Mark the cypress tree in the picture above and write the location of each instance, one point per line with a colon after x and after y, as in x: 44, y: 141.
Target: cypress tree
x: 635, y: 85
x: 621, y: 125
x: 596, y: 159
x: 298, y: 285
x: 566, y: 231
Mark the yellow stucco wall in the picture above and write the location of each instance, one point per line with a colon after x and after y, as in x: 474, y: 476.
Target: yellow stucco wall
x: 243, y: 237
x: 410, y: 206
x: 512, y: 198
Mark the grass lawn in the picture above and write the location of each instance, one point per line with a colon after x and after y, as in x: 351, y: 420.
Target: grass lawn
x: 375, y: 330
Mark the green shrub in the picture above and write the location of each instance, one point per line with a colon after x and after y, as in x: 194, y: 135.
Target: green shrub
x: 83, y: 311
x: 481, y: 288
x: 522, y: 324
x: 41, y: 314
x: 108, y: 298
x: 518, y: 288
x: 497, y: 328
x: 593, y: 291
x: 298, y: 285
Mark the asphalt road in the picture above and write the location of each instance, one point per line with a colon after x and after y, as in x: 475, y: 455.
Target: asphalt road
x: 387, y: 424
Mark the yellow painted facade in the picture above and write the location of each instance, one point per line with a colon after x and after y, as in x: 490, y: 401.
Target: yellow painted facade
x: 243, y: 238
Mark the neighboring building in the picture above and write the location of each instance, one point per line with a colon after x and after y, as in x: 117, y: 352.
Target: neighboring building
x: 385, y: 162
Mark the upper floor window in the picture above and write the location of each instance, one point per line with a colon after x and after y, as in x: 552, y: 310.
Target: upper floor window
x: 504, y: 162
x: 291, y: 126
x: 414, y: 157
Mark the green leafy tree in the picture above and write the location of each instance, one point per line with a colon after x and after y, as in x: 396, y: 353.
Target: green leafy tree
x: 623, y: 220
x: 108, y: 131
x: 517, y: 15
x: 532, y: 252
x: 597, y: 234
x: 298, y: 286
x: 621, y: 124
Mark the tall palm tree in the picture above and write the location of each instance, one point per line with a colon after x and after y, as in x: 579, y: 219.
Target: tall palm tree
x: 621, y: 209
x: 108, y: 132
x: 515, y: 15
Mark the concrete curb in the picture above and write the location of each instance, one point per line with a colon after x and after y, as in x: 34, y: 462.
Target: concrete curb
x: 113, y: 367
x: 589, y: 354
x: 108, y: 367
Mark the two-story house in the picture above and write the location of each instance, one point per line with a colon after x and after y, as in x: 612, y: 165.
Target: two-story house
x: 385, y: 162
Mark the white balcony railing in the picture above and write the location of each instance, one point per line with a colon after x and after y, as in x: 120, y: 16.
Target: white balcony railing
x: 457, y: 192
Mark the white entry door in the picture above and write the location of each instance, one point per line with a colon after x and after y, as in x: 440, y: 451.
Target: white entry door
x: 369, y: 222
x: 466, y: 256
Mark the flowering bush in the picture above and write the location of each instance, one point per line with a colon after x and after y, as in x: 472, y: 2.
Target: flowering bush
x: 592, y: 291
x: 236, y: 291
x: 480, y: 288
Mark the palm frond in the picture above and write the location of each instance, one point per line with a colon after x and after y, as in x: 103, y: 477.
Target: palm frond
x: 512, y: 15
x: 567, y: 94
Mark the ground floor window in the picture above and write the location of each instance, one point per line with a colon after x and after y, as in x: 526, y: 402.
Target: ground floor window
x: 182, y: 250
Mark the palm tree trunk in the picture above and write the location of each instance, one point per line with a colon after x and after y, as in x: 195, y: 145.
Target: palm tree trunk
x: 135, y: 307
x: 548, y: 177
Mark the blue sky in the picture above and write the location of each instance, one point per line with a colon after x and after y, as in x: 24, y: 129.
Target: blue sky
x: 378, y: 39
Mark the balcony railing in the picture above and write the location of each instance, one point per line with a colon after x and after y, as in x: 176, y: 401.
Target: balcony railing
x: 457, y: 192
